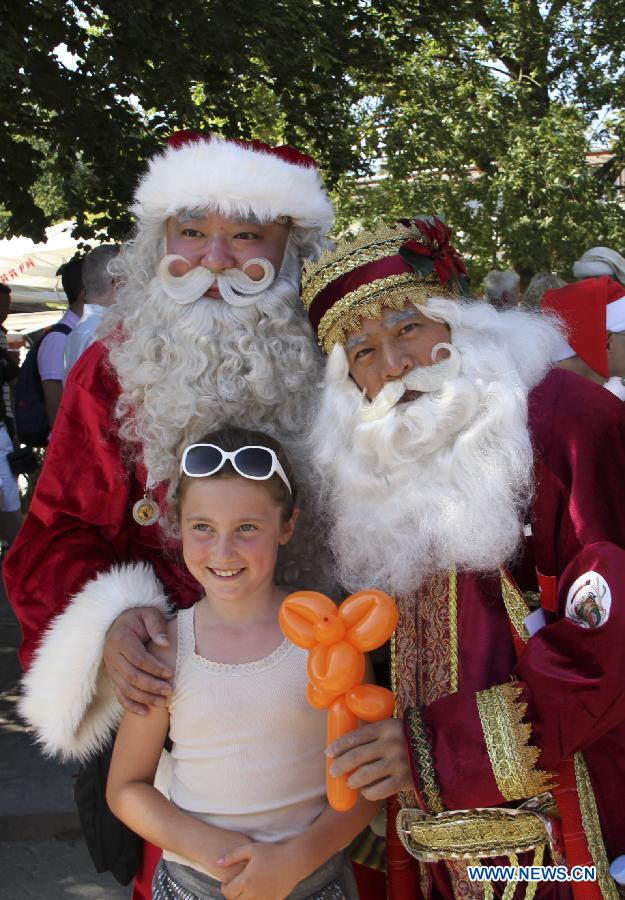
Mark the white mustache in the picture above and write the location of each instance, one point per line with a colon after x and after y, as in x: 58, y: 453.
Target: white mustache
x: 425, y: 379
x: 235, y: 286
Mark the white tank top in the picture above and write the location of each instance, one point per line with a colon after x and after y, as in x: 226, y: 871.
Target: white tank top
x: 248, y: 749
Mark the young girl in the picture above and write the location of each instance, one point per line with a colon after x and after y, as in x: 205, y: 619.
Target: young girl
x: 248, y: 816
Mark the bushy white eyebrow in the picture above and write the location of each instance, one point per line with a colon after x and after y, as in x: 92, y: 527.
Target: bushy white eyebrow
x: 196, y: 215
x: 352, y: 342
x: 390, y: 322
x: 400, y: 317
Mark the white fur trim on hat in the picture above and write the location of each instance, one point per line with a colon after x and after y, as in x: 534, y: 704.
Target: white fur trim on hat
x: 616, y: 386
x: 234, y: 181
x: 615, y: 315
x: 66, y: 694
x: 563, y: 351
x: 600, y: 261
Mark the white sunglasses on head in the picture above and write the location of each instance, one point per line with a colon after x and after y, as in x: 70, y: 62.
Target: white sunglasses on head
x: 257, y: 463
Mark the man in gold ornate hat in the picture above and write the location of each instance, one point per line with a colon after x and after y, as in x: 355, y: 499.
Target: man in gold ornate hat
x: 460, y: 477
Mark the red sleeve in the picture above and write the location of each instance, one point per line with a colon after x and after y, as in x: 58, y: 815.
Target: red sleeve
x: 79, y: 506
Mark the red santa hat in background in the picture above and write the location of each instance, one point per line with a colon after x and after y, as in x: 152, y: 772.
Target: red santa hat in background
x: 234, y: 178
x: 589, y: 309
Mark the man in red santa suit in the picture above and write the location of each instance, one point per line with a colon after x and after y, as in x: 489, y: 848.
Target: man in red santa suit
x: 207, y: 329
x: 462, y: 475
x: 593, y: 311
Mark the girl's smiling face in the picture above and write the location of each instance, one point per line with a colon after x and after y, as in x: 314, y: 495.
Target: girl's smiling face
x: 231, y: 530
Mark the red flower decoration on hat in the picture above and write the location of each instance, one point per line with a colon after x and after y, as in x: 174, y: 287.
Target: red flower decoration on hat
x: 434, y: 251
x: 288, y: 154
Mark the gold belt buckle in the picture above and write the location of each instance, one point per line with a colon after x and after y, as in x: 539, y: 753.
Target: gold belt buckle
x: 480, y: 833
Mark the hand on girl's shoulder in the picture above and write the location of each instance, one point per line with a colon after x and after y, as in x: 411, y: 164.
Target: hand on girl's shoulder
x: 167, y: 655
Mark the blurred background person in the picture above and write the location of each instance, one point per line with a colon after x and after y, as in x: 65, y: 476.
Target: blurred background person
x: 502, y: 288
x: 600, y: 261
x: 538, y: 284
x: 50, y: 355
x: 99, y: 294
x: 10, y: 501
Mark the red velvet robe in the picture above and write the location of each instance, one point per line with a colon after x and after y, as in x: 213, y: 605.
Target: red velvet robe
x: 571, y: 677
x: 80, y: 519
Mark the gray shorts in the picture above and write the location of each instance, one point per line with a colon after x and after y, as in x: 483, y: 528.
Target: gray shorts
x: 334, y: 880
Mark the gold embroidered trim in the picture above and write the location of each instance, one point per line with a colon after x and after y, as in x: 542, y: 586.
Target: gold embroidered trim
x: 394, y: 668
x: 515, y: 607
x: 532, y: 887
x: 592, y: 827
x: 422, y: 752
x: 470, y: 833
x: 366, y: 247
x: 369, y: 302
x: 453, y: 630
x: 511, y: 886
x: 513, y: 760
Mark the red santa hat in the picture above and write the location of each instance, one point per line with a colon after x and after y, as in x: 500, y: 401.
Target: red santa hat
x: 589, y: 309
x: 234, y: 178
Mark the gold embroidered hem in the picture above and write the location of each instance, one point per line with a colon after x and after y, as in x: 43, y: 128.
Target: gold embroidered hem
x: 590, y: 820
x: 511, y: 887
x: 515, y: 605
x: 473, y: 833
x: 512, y: 759
x: 424, y: 762
x: 453, y: 630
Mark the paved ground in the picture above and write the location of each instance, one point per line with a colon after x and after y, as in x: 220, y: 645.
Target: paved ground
x: 42, y: 854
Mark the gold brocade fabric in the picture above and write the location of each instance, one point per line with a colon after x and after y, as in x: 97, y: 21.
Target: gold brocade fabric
x: 507, y: 737
x: 592, y: 828
x: 425, y: 642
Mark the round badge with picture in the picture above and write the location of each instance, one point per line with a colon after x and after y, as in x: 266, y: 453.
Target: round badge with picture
x: 589, y: 600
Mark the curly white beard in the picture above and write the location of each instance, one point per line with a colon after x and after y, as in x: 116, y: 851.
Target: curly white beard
x: 444, y: 480
x: 184, y: 370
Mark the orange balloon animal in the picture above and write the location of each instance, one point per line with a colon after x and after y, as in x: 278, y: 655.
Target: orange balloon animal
x: 338, y: 640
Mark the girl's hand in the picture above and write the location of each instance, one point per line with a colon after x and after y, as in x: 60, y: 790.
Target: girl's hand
x: 270, y: 872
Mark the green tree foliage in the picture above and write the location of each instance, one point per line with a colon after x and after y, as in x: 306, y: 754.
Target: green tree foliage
x: 483, y: 112
x: 487, y: 116
x: 88, y: 116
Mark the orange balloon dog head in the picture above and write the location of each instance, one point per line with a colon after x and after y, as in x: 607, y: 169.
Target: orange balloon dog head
x: 337, y: 640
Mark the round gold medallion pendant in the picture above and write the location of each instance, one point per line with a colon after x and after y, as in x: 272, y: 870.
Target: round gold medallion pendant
x: 145, y: 511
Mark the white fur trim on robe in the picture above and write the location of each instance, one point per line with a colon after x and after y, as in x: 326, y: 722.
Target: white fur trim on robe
x: 66, y: 694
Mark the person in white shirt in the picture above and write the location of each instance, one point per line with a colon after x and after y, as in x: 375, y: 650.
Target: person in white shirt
x: 99, y: 287
x: 52, y: 347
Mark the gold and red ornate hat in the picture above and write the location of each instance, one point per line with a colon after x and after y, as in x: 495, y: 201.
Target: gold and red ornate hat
x: 406, y: 262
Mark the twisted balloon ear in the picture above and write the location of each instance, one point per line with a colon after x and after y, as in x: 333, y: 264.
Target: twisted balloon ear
x: 301, y: 612
x: 370, y: 618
